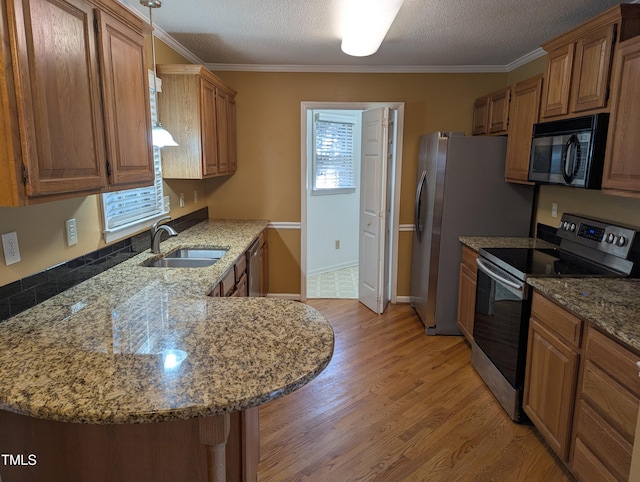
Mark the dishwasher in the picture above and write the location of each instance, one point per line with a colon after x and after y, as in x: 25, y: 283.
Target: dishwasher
x: 254, y: 268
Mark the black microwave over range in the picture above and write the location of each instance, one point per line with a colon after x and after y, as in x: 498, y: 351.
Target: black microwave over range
x: 588, y: 248
x: 569, y: 152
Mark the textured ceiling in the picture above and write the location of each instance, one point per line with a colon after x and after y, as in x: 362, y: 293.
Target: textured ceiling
x: 426, y: 33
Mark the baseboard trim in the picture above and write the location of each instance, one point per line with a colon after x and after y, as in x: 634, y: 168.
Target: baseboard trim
x: 403, y: 299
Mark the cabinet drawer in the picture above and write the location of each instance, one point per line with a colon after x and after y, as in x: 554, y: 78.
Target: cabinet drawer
x: 614, y: 359
x: 586, y: 466
x: 241, y: 267
x: 611, y: 399
x: 604, y: 441
x: 228, y: 283
x: 241, y: 287
x: 216, y: 291
x: 560, y: 321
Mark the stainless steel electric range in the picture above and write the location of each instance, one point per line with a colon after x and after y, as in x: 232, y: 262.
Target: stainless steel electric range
x: 588, y: 247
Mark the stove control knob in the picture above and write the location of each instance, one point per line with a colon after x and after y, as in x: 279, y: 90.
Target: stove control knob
x: 611, y: 238
x: 566, y: 226
x: 560, y: 225
x: 572, y: 227
x: 621, y: 241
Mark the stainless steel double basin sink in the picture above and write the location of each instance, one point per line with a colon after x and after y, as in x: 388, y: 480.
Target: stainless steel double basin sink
x: 187, y: 258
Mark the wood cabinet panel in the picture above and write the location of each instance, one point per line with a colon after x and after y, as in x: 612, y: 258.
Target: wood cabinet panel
x: 550, y: 384
x: 499, y: 111
x: 127, y: 108
x: 207, y: 138
x: 586, y: 466
x: 610, y: 398
x: 524, y: 113
x: 480, y: 116
x: 58, y: 74
x: 208, y: 130
x: 467, y: 292
x: 557, y: 319
x: 604, y: 442
x: 75, y: 100
x: 557, y: 82
x: 621, y: 167
x: 592, y: 70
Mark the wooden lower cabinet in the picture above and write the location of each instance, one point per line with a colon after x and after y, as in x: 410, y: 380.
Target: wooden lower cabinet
x: 467, y: 292
x: 606, y: 411
x: 582, y: 392
x: 550, y: 382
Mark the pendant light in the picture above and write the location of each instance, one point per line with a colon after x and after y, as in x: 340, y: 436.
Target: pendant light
x: 160, y: 136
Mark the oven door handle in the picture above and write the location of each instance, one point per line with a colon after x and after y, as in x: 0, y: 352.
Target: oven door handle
x: 484, y: 267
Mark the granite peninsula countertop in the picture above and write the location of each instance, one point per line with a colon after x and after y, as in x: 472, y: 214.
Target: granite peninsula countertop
x: 613, y: 305
x: 137, y: 344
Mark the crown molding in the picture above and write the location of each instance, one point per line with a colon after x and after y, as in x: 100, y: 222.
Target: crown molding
x: 368, y: 69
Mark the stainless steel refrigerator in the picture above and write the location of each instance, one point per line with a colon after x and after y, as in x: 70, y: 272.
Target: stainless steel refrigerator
x: 461, y: 191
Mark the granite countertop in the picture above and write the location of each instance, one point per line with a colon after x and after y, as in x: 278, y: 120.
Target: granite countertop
x: 478, y: 242
x: 613, y: 305
x: 137, y: 344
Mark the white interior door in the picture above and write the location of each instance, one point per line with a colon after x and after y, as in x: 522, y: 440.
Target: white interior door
x: 372, y: 285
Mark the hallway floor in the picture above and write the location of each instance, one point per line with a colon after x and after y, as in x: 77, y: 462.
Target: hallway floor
x: 340, y: 283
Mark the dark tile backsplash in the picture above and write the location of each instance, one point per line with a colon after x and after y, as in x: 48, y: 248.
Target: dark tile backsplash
x: 547, y: 233
x: 27, y: 292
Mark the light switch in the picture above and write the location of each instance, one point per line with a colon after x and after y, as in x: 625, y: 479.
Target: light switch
x: 11, y: 248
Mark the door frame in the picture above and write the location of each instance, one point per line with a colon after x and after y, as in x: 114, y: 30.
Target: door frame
x: 305, y: 107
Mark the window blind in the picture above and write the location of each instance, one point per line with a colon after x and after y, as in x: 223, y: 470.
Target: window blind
x: 131, y: 208
x: 333, y: 155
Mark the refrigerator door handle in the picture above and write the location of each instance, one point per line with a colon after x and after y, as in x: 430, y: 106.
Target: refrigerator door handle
x: 417, y: 208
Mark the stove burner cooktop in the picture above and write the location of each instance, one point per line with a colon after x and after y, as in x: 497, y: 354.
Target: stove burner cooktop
x: 521, y: 262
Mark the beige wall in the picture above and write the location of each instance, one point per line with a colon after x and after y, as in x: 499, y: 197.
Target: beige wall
x: 267, y: 183
x: 41, y: 228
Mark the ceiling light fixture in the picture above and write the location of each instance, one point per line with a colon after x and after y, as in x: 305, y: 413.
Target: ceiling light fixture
x: 366, y: 23
x: 160, y: 136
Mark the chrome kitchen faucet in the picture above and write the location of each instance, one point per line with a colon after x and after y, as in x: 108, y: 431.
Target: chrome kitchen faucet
x: 156, y: 233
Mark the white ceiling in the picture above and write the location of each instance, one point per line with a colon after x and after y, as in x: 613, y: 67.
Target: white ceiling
x: 427, y: 35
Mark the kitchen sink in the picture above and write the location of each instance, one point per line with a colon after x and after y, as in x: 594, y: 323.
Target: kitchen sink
x: 213, y: 253
x: 187, y: 258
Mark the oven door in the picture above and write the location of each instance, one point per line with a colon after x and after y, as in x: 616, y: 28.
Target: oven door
x: 501, y: 320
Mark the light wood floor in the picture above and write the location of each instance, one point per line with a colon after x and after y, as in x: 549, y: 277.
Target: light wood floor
x: 396, y: 405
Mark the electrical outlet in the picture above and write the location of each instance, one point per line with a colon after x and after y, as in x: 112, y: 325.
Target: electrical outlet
x: 167, y: 204
x: 554, y: 210
x: 337, y: 244
x: 195, y: 196
x: 11, y: 248
x: 72, y: 233
x: 181, y: 199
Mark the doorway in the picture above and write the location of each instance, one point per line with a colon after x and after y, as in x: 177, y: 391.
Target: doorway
x: 330, y: 228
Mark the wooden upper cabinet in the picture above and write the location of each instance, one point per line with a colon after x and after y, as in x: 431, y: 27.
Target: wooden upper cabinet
x: 557, y: 84
x: 71, y: 98
x: 592, y: 68
x: 208, y: 132
x: 579, y: 63
x: 524, y: 112
x: 58, y: 96
x: 491, y: 113
x: 621, y: 167
x: 198, y: 109
x: 499, y: 111
x: 126, y: 103
x: 481, y: 116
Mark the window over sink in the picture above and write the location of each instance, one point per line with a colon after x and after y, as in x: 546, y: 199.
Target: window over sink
x: 128, y: 211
